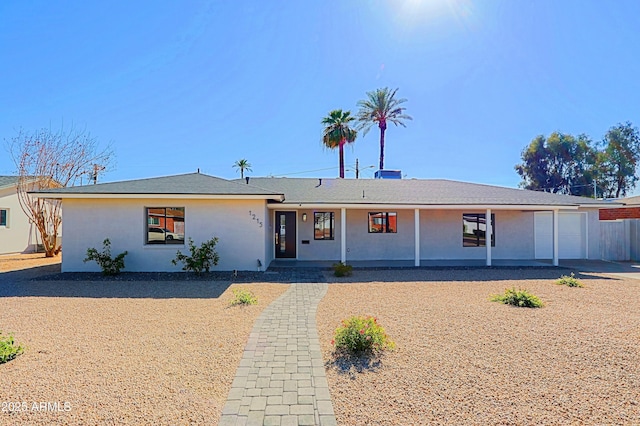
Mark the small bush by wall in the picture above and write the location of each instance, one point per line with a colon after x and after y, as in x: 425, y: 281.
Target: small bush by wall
x: 201, y: 258
x: 109, y: 265
x: 342, y: 269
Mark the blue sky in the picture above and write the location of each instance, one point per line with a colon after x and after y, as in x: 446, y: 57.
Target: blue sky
x: 177, y: 86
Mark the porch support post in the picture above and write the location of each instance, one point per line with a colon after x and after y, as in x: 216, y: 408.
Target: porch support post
x: 555, y: 238
x: 343, y: 235
x: 488, y: 234
x: 417, y: 237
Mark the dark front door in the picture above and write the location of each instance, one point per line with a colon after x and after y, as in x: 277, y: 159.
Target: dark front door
x: 285, y: 237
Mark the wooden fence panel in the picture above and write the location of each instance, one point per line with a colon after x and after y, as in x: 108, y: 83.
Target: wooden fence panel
x: 634, y: 228
x: 615, y: 240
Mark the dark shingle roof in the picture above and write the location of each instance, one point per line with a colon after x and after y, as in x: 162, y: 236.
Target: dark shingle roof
x: 193, y: 183
x: 411, y: 191
x: 335, y: 191
x: 7, y: 181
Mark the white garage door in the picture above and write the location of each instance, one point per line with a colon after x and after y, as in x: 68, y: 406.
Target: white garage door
x: 572, y: 232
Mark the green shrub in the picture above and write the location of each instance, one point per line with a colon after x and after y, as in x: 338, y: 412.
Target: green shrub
x: 201, y: 259
x: 360, y: 334
x: 569, y: 281
x: 243, y: 297
x: 520, y: 298
x: 109, y: 265
x: 8, y: 349
x: 342, y: 269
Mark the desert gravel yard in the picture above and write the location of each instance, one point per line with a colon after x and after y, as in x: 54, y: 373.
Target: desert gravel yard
x: 165, y: 351
x: 161, y: 353
x: 463, y: 360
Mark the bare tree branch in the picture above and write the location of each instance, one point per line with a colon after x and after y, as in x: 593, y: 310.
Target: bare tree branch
x: 53, y: 159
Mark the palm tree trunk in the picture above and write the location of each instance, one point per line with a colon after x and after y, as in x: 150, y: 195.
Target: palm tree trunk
x: 383, y: 127
x: 342, y: 158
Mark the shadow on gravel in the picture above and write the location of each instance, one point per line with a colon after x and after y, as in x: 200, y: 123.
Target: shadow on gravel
x: 361, y: 275
x: 48, y: 281
x: 352, y: 365
x: 29, y: 273
x: 115, y: 289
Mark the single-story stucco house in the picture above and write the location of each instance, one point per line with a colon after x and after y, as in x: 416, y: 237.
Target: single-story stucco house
x: 17, y: 233
x: 259, y: 220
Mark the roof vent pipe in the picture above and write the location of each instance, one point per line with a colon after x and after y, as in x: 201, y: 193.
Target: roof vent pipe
x: 247, y: 179
x: 320, y: 181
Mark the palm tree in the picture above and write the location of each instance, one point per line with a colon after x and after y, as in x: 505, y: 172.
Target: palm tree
x: 242, y: 165
x: 381, y: 106
x: 337, y: 132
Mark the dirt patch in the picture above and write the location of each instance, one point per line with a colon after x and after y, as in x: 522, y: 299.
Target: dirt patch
x: 17, y: 262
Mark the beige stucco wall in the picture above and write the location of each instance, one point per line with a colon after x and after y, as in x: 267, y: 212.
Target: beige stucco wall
x: 88, y: 222
x: 19, y: 236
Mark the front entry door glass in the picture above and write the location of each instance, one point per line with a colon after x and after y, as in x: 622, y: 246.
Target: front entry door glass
x: 285, y: 235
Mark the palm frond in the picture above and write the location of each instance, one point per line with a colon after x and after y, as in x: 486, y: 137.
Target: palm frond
x: 381, y: 105
x: 337, y: 129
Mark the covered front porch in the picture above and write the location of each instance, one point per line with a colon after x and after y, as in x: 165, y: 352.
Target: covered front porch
x: 420, y: 236
x: 399, y: 264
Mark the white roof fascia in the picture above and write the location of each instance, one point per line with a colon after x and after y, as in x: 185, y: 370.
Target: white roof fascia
x: 427, y: 206
x: 168, y: 196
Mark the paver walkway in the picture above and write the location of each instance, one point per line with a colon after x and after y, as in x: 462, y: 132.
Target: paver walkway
x: 281, y: 378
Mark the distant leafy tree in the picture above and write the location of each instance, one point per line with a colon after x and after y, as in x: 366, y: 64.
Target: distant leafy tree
x: 381, y: 107
x: 561, y: 164
x: 618, y: 159
x: 337, y: 132
x: 242, y: 165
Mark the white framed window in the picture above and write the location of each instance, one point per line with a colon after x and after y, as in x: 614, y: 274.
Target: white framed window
x: 4, y: 218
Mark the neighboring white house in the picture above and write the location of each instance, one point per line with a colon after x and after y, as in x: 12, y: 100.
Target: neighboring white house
x: 17, y: 234
x: 323, y: 220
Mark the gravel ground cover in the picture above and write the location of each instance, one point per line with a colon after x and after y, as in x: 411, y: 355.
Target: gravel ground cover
x: 163, y: 349
x: 123, y: 352
x: 461, y: 359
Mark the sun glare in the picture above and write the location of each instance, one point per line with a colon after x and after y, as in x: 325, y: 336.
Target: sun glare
x: 417, y: 12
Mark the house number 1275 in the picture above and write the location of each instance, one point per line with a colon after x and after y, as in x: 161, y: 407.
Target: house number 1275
x: 253, y: 216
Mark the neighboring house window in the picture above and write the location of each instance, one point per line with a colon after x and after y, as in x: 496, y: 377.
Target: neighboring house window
x: 382, y: 222
x: 474, y: 230
x: 4, y: 217
x: 324, y: 225
x: 165, y: 225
